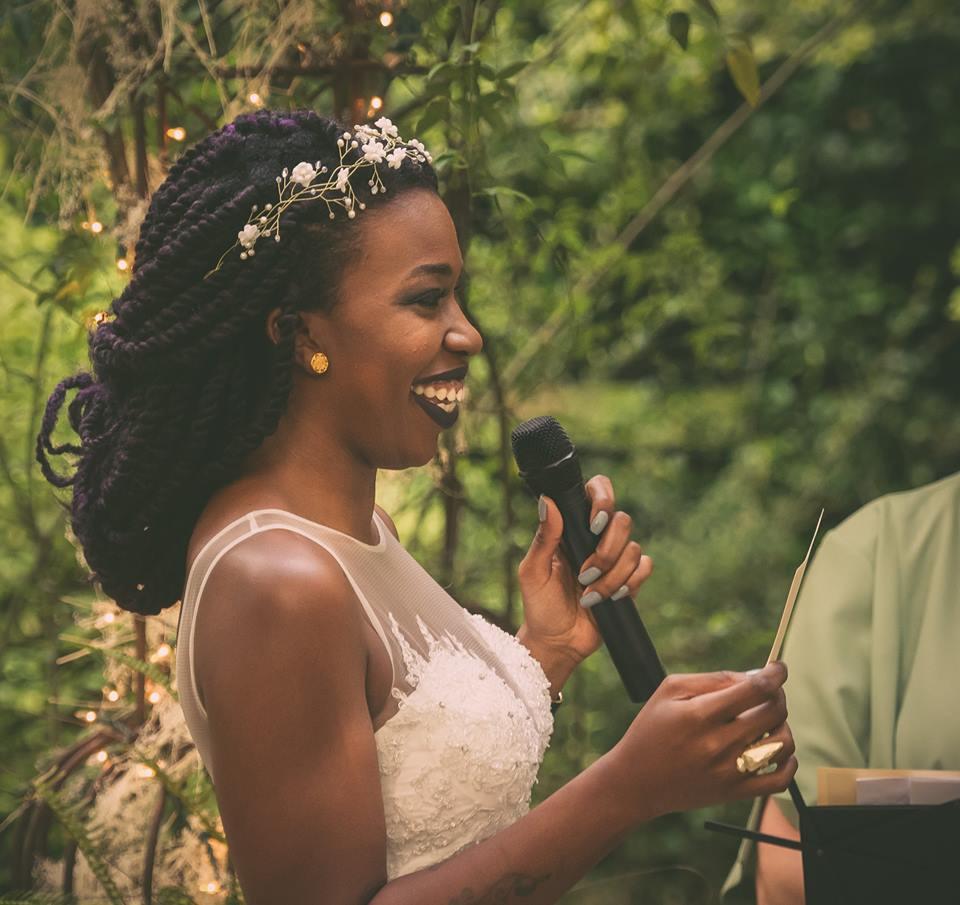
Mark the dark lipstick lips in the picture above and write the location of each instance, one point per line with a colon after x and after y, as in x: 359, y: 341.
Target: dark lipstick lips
x: 444, y: 419
x: 453, y: 374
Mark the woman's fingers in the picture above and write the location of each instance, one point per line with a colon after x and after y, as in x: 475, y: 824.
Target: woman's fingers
x: 602, y: 501
x: 728, y: 703
x: 630, y: 571
x: 612, y: 546
x: 772, y: 782
x: 752, y: 724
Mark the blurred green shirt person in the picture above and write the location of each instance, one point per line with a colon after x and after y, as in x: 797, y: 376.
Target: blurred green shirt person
x: 873, y: 651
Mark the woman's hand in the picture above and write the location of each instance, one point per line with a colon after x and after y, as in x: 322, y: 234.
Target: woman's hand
x: 555, y: 621
x: 680, y: 751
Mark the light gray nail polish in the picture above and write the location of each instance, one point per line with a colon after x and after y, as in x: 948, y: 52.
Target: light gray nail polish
x: 542, y: 508
x: 622, y: 591
x: 590, y: 599
x: 588, y: 575
x: 599, y: 521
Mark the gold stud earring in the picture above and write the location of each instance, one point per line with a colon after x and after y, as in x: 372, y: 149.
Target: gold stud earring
x: 319, y: 362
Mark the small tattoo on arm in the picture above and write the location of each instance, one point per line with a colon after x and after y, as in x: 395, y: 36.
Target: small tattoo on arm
x: 503, y: 892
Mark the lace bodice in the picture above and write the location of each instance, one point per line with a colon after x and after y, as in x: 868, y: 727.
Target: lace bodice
x: 459, y: 756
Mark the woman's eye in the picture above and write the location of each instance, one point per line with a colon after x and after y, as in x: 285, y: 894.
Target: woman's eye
x: 430, y: 299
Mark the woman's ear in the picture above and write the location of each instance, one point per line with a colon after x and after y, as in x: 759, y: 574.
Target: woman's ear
x: 273, y: 334
x: 304, y: 344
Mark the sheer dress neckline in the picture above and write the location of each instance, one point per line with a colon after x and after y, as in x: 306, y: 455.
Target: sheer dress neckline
x: 378, y: 547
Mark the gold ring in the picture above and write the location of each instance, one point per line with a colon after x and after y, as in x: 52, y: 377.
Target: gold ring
x: 757, y: 757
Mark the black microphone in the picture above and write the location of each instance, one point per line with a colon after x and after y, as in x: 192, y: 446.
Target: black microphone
x: 548, y: 464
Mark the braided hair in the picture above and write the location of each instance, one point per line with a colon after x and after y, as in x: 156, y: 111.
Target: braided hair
x: 184, y: 381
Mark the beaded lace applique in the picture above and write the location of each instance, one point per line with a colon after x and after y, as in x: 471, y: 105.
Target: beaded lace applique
x: 459, y: 758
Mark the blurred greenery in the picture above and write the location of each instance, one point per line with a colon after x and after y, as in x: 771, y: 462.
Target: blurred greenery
x: 782, y: 334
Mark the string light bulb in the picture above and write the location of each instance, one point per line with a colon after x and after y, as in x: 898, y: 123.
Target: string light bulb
x: 154, y: 697
x: 85, y: 224
x: 376, y: 102
x: 96, y: 227
x: 177, y: 133
x: 386, y: 18
x: 113, y: 695
x: 255, y: 99
x: 90, y: 716
x: 122, y: 264
x: 145, y: 772
x: 212, y: 886
x: 102, y: 756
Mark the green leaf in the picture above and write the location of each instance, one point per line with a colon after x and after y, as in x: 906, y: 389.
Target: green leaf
x: 709, y: 9
x: 445, y: 68
x: 577, y: 155
x: 170, y: 895
x: 511, y: 70
x: 148, y: 669
x: 498, y: 190
x: 36, y: 898
x: 743, y: 69
x: 436, y: 110
x: 678, y: 24
x: 485, y: 70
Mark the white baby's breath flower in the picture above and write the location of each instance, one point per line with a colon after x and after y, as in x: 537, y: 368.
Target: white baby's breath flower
x: 343, y: 176
x: 417, y: 144
x: 248, y: 235
x: 395, y: 158
x: 303, y: 173
x: 388, y: 129
x: 374, y: 151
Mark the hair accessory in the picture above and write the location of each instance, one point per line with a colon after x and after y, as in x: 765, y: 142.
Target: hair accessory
x: 306, y: 182
x: 319, y: 362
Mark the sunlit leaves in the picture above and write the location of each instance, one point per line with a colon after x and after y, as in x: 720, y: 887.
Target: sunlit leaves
x: 743, y: 69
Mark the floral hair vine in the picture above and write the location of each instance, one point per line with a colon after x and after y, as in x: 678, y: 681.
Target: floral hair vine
x: 306, y: 183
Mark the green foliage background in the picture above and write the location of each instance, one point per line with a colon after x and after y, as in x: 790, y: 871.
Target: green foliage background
x: 783, y: 335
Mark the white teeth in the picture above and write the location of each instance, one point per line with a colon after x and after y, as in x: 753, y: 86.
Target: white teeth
x: 446, y: 398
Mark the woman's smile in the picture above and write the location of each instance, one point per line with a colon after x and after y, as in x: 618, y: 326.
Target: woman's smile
x: 440, y: 395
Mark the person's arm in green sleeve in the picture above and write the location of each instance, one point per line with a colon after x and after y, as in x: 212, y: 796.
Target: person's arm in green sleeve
x: 828, y: 693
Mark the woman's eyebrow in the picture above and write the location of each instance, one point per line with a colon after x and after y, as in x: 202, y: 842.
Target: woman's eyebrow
x: 440, y: 270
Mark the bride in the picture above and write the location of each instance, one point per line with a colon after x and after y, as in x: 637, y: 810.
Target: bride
x: 369, y: 740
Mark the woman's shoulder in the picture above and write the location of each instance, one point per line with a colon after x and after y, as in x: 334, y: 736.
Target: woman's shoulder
x: 234, y: 502
x: 225, y: 507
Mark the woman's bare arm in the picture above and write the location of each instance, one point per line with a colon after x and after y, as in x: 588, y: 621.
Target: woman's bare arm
x: 296, y: 763
x: 779, y: 870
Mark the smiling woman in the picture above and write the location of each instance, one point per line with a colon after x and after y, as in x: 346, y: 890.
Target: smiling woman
x: 369, y: 739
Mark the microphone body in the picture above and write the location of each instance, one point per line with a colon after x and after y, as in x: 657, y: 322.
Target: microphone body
x: 618, y: 621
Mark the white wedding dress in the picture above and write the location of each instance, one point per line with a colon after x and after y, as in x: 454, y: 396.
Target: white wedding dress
x: 470, y: 717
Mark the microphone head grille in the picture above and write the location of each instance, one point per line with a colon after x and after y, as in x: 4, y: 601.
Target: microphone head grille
x: 539, y: 442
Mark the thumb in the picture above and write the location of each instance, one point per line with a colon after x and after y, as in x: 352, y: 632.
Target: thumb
x: 537, y: 564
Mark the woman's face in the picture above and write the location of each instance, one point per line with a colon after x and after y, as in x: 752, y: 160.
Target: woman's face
x: 397, y: 324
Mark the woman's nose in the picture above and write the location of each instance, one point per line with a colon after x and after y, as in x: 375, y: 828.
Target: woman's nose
x: 464, y: 337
